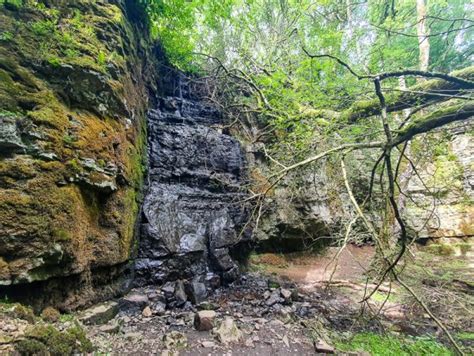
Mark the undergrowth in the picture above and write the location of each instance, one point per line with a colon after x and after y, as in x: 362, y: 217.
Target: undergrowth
x: 388, y: 345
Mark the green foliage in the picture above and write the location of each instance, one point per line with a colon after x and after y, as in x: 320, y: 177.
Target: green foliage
x: 6, y: 36
x: 31, y: 347
x: 43, y: 28
x: 387, y: 345
x: 12, y: 4
x: 54, y: 61
x: 61, y: 235
x: 465, y: 336
x: 101, y: 58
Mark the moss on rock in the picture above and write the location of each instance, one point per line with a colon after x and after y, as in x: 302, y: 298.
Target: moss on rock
x: 72, y: 76
x: 73, y: 340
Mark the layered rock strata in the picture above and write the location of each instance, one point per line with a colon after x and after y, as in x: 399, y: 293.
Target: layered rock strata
x: 193, y: 211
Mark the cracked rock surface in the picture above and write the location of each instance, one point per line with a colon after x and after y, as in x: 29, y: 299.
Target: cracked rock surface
x: 192, y: 215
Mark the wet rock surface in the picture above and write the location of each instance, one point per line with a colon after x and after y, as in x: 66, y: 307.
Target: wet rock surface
x: 192, y: 211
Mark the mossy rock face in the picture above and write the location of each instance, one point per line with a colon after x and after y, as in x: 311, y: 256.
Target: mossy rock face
x: 440, y: 200
x: 73, y: 99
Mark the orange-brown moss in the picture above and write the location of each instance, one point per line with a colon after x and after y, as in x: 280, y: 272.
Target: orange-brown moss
x: 50, y: 314
x: 4, y: 270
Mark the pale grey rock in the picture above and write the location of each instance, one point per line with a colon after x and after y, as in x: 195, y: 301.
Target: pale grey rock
x: 10, y: 136
x: 99, y: 314
x: 228, y: 332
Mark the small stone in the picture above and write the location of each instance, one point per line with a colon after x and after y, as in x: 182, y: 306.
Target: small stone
x: 249, y: 343
x: 204, y: 320
x: 276, y: 322
x: 147, y: 313
x: 131, y: 336
x: 285, y: 293
x: 228, y: 332
x: 179, y: 322
x: 168, y: 289
x: 208, y: 344
x: 48, y: 156
x: 152, y: 295
x: 323, y: 347
x: 159, y: 308
x: 110, y: 328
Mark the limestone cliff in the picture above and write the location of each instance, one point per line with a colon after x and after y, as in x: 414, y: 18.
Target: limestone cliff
x: 439, y: 202
x: 75, y: 81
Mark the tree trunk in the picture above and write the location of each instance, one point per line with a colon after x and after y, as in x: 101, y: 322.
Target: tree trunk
x: 423, y: 36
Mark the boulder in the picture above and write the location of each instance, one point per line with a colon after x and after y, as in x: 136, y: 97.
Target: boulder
x: 228, y: 332
x: 204, y: 320
x: 274, y: 298
x: 134, y: 301
x: 99, y: 314
x: 196, y: 291
x: 180, y: 293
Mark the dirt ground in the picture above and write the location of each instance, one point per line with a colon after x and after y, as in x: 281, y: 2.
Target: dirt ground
x: 285, y: 305
x: 315, y: 314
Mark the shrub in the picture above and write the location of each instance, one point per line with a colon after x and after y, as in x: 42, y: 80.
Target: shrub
x: 50, y: 314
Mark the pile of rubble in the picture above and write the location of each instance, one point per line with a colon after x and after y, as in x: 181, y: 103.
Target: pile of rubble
x: 257, y: 313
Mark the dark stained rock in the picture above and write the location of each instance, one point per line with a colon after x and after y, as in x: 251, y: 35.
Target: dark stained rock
x: 196, y: 291
x: 204, y: 320
x: 134, y: 301
x: 10, y: 140
x: 191, y: 211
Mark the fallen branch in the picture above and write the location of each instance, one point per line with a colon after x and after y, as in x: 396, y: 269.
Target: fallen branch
x: 434, y: 120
